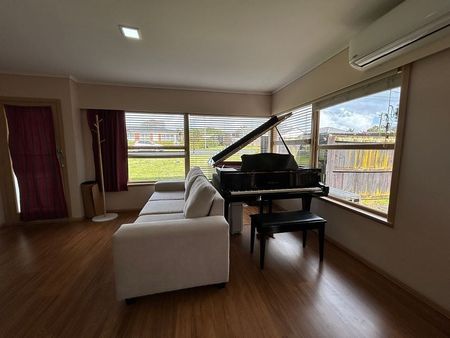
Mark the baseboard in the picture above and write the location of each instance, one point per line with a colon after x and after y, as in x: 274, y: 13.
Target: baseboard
x: 440, y: 316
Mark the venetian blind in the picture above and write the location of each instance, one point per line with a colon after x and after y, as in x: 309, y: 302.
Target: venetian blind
x: 296, y: 132
x: 208, y: 135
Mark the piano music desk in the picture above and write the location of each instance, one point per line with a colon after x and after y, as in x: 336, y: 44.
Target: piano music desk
x: 272, y: 223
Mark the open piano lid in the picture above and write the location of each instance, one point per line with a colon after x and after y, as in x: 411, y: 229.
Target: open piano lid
x: 219, y: 158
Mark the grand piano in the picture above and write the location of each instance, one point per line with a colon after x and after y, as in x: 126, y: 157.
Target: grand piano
x: 264, y: 177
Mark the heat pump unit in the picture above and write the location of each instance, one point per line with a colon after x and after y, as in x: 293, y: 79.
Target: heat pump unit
x: 409, y: 25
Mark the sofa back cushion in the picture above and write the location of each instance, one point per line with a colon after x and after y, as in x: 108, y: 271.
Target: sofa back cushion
x: 217, y: 206
x: 190, y: 178
x: 200, y: 198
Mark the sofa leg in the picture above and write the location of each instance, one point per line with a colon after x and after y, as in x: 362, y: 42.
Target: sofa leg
x: 130, y: 301
x: 221, y: 285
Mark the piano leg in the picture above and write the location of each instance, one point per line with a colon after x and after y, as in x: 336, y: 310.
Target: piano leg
x: 306, y: 203
x: 262, y: 251
x: 252, y: 238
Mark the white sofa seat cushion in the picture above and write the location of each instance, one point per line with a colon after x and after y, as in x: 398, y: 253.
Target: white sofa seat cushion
x: 158, y: 217
x: 162, y: 207
x: 200, y: 198
x: 167, y: 195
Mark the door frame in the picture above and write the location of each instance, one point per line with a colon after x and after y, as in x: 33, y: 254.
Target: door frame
x: 7, y: 180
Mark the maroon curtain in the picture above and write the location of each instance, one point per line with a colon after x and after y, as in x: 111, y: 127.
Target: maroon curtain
x: 114, y: 147
x: 34, y: 158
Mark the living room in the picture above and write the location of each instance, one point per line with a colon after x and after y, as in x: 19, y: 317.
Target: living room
x: 385, y: 273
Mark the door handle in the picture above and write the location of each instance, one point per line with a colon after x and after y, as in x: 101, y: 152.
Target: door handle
x: 60, y: 156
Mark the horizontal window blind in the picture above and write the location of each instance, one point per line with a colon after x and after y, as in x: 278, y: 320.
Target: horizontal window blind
x: 208, y: 135
x: 296, y: 132
x: 152, y: 131
x: 387, y: 82
x: 156, y: 147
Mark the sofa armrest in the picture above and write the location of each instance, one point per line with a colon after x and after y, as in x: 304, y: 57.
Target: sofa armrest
x: 158, y: 256
x: 169, y: 186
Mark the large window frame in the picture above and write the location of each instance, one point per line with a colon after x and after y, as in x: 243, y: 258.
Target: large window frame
x: 388, y: 217
x: 162, y: 151
x: 180, y: 151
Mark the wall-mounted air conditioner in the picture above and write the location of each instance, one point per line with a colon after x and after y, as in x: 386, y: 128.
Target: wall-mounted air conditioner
x: 409, y: 25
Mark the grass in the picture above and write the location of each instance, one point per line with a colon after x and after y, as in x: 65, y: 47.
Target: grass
x: 154, y: 169
x: 380, y: 204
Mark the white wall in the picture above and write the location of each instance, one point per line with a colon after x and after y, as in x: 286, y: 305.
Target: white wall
x: 416, y: 250
x: 73, y: 96
x: 172, y: 100
x: 336, y: 73
x: 158, y: 100
x: 54, y: 88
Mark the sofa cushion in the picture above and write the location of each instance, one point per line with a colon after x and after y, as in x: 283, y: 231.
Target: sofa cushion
x: 200, y: 198
x: 158, y: 217
x: 217, y: 206
x: 169, y: 185
x: 190, y: 179
x: 167, y: 195
x: 162, y: 207
x: 194, y: 171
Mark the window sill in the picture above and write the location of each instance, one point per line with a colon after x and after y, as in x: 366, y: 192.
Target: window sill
x: 367, y: 214
x: 140, y: 184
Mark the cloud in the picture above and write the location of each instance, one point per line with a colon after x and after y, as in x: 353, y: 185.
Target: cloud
x: 347, y: 120
x: 359, y: 114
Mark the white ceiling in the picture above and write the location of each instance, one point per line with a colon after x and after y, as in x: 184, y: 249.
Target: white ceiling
x: 236, y: 45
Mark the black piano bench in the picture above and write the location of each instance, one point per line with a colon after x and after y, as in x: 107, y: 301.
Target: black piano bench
x: 269, y: 224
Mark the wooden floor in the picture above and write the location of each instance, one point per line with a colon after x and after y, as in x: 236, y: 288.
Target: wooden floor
x: 56, y: 280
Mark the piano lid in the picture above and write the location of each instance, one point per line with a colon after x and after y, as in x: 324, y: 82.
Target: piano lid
x: 247, y: 139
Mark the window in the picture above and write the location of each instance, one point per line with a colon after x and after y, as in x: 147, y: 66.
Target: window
x: 296, y: 132
x: 356, y: 138
x: 156, y: 147
x: 208, y: 135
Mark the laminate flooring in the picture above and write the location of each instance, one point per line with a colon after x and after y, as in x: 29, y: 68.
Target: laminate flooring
x: 56, y: 280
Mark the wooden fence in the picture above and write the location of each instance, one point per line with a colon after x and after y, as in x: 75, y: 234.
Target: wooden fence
x: 364, y: 172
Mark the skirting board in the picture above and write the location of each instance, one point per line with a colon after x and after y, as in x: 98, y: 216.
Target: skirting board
x: 433, y: 312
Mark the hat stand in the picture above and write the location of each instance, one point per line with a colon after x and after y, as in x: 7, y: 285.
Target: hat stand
x: 105, y: 216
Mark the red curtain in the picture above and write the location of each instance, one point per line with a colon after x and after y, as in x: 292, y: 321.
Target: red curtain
x: 34, y: 158
x: 114, y: 147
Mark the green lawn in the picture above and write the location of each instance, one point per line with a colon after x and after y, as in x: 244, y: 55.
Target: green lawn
x: 380, y: 204
x: 154, y: 169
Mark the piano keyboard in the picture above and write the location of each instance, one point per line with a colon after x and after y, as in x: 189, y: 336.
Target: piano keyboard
x: 276, y: 191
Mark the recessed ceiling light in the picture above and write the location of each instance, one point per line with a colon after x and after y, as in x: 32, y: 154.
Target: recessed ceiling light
x: 130, y: 32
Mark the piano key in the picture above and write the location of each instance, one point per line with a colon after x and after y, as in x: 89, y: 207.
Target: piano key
x: 276, y: 191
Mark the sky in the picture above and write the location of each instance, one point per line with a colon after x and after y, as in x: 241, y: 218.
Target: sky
x: 362, y: 113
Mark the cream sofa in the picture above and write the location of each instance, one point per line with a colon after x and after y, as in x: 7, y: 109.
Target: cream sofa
x: 180, y: 240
